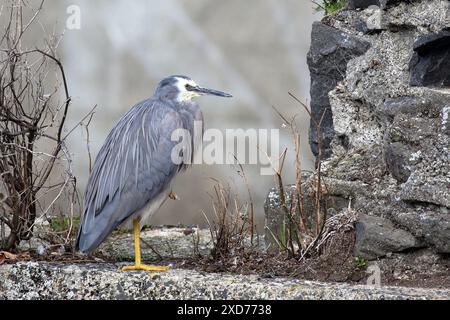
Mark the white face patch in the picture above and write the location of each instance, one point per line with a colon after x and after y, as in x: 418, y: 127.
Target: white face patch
x: 184, y: 94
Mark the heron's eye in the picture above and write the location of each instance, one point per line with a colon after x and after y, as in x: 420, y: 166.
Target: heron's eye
x: 189, y: 87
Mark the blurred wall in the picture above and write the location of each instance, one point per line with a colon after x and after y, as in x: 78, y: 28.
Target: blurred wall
x: 254, y: 49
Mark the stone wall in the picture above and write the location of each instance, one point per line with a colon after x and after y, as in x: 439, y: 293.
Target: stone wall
x: 382, y: 71
x: 45, y: 281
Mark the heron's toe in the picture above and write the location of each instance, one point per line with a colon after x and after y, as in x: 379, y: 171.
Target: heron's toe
x: 155, y: 268
x: 145, y: 268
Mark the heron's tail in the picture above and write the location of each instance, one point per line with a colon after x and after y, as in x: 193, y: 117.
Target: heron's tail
x: 84, y: 242
x: 93, y: 230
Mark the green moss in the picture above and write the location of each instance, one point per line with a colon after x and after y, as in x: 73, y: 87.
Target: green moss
x: 360, y: 262
x: 330, y: 6
x: 60, y: 224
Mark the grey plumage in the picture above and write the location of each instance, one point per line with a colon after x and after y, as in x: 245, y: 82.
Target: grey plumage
x: 133, y: 170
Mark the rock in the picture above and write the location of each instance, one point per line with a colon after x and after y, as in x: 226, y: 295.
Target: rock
x: 433, y: 41
x: 362, y: 4
x: 446, y: 120
x: 431, y: 61
x: 376, y: 106
x: 430, y: 225
x: 389, y: 140
x: 376, y: 237
x: 276, y: 219
x: 416, y: 151
x: 429, y: 189
x: 422, y: 16
x: 415, y: 142
x: 422, y: 266
x: 371, y: 20
x: 30, y: 280
x: 393, y: 106
x: 158, y: 243
x: 396, y: 156
x: 374, y: 19
x: 329, y: 54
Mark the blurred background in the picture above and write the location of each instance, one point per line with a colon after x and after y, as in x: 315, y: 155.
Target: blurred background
x: 255, y: 50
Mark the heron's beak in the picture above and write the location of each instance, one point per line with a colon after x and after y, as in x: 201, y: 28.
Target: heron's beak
x: 212, y: 92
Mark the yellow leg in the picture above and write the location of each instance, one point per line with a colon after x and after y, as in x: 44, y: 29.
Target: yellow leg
x: 137, y: 254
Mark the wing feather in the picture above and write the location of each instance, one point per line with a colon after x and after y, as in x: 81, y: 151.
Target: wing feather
x: 134, y: 165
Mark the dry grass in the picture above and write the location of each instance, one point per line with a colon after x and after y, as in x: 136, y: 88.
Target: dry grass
x: 232, y: 230
x: 311, y: 245
x: 304, y: 228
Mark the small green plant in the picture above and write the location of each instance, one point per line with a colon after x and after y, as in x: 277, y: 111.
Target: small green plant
x: 330, y: 6
x: 360, y: 262
x: 62, y: 224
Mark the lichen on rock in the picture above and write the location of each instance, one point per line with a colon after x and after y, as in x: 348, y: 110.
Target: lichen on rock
x: 390, y: 134
x: 45, y: 281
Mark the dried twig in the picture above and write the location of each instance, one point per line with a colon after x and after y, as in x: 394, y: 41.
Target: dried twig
x: 30, y: 117
x: 298, y: 231
x: 232, y: 230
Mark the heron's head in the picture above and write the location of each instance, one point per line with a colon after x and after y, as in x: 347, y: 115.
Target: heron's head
x: 183, y: 89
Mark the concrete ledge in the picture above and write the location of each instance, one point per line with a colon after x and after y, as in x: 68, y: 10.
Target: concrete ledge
x: 32, y: 280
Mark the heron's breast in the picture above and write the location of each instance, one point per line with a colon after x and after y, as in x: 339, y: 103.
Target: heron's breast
x: 152, y: 206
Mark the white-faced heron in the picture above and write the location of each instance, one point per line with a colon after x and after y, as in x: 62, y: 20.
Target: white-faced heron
x: 133, y: 171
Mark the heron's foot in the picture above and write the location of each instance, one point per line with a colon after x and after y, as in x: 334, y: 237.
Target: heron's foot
x: 145, y: 268
x: 173, y: 196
